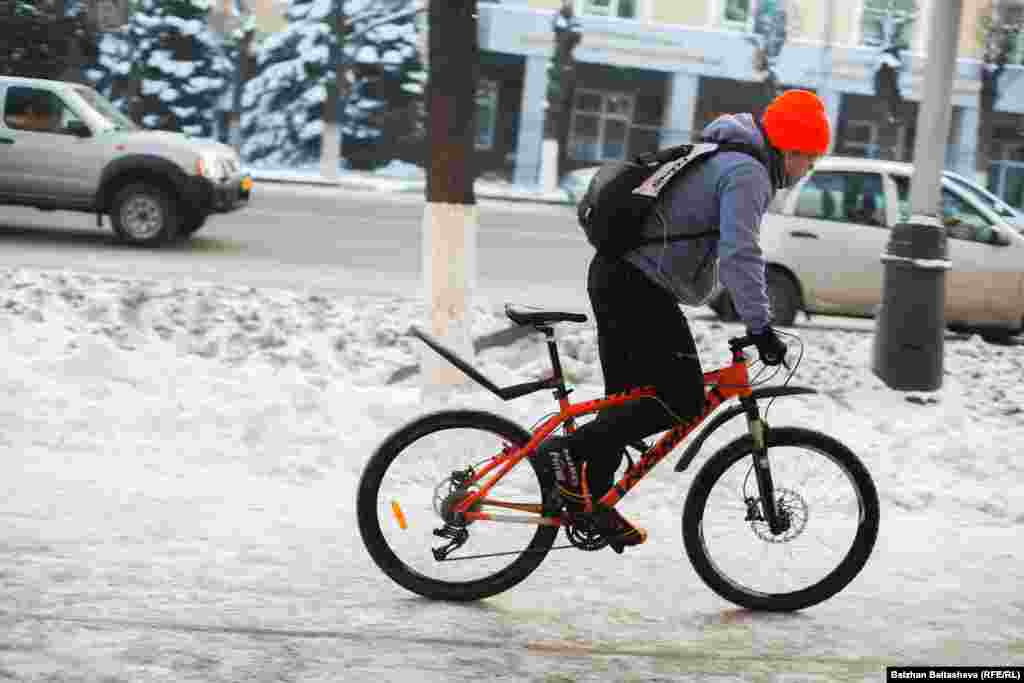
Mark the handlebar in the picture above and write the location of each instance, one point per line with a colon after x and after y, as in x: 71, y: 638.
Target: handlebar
x: 740, y: 343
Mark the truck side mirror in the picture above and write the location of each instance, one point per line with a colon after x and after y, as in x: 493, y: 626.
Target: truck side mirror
x: 78, y: 129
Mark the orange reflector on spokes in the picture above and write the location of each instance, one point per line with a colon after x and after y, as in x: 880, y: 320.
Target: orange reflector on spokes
x: 399, y: 515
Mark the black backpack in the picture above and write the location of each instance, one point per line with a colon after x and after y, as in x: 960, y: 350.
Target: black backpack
x: 622, y: 193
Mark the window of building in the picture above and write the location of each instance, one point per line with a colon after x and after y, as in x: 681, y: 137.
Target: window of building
x: 738, y: 14
x: 876, y: 15
x: 623, y: 9
x: 861, y: 138
x: 600, y: 125
x: 486, y: 113
x: 1011, y: 14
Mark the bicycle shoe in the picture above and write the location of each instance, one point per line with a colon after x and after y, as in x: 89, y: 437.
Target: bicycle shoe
x: 619, y: 531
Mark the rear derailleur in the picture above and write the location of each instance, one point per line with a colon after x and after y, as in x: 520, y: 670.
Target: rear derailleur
x: 445, y: 502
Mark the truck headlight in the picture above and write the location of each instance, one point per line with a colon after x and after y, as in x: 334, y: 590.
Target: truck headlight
x: 207, y: 166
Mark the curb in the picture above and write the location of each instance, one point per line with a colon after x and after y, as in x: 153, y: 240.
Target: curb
x: 411, y: 186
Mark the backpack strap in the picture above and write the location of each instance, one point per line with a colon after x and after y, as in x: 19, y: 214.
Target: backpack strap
x: 655, y: 183
x: 705, y: 149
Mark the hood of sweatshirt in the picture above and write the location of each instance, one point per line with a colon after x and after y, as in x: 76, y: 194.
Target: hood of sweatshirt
x: 744, y: 128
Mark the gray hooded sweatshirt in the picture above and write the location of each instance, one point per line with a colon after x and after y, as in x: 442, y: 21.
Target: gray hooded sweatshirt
x: 729, y: 192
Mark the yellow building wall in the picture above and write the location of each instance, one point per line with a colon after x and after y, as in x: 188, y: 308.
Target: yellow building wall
x: 846, y: 26
x: 808, y: 25
x: 970, y: 46
x: 680, y: 12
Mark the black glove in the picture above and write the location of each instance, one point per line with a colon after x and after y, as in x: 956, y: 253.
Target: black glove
x: 771, y: 349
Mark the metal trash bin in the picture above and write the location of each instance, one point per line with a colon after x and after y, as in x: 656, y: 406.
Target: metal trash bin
x: 911, y: 323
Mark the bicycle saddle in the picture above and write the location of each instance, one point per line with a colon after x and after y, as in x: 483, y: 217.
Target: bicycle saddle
x: 523, y: 317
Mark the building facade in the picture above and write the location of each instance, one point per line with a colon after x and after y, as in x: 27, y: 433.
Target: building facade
x: 652, y: 73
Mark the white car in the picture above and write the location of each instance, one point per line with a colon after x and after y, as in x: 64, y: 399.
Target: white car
x: 823, y: 240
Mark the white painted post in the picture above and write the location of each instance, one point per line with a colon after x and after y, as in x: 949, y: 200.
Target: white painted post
x: 449, y: 255
x: 549, y: 165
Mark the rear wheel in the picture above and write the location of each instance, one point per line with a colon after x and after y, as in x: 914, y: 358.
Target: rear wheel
x: 412, y: 480
x: 820, y: 487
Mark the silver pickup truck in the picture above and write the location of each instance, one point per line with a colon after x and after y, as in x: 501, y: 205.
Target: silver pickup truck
x: 63, y: 146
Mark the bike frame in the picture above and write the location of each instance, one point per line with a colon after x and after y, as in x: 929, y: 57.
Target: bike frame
x: 723, y: 384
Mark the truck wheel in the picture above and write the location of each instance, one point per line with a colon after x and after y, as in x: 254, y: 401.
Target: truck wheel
x: 145, y: 215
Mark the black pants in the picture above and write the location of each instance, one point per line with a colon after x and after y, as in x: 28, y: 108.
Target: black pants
x: 643, y: 340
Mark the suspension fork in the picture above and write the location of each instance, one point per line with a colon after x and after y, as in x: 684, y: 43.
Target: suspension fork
x: 762, y: 468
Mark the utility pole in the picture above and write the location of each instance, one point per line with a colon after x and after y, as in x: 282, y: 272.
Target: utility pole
x: 450, y: 216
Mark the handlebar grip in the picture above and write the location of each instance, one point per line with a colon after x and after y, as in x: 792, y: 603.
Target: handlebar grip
x: 737, y: 343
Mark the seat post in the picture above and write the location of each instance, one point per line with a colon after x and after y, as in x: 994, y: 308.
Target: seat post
x: 556, y: 363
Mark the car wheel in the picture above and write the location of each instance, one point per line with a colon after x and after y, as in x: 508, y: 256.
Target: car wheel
x: 784, y: 298
x: 145, y: 215
x: 723, y: 307
x: 193, y: 223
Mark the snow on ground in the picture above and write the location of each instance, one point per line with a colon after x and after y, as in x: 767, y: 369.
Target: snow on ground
x: 188, y: 454
x: 241, y: 371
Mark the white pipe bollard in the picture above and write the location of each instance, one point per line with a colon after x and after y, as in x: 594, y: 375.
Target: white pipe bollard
x: 449, y: 267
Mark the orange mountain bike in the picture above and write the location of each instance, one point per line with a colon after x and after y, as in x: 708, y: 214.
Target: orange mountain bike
x: 453, y: 506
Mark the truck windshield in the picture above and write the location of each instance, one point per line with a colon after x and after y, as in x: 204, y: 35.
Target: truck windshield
x: 106, y: 108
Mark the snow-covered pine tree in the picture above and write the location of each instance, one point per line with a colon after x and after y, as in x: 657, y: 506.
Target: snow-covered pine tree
x: 282, y: 117
x: 281, y: 103
x: 386, y: 97
x: 178, y: 63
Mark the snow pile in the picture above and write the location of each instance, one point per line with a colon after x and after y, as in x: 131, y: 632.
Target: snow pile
x: 115, y: 373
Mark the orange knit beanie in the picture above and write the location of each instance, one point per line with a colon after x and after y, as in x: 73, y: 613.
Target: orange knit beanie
x: 796, y: 121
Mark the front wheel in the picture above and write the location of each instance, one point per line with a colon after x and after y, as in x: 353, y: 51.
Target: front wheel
x: 412, y: 481
x: 823, y: 491
x: 145, y: 215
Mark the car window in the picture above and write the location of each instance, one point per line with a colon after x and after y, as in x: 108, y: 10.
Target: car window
x: 962, y: 220
x: 981, y: 195
x: 841, y: 196
x: 36, y: 110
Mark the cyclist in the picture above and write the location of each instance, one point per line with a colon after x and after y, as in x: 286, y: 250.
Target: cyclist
x: 643, y: 336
